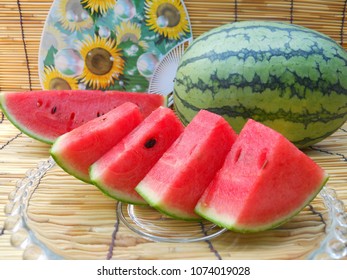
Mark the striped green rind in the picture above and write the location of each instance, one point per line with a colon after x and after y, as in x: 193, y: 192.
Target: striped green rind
x: 290, y: 78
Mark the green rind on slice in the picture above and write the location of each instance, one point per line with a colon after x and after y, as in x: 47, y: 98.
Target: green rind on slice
x: 153, y: 198
x: 62, y: 164
x: 18, y: 126
x: 212, y: 216
x: 47, y: 114
x: 111, y: 192
x: 121, y: 169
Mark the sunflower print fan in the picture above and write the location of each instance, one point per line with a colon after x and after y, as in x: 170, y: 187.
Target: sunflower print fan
x: 111, y: 44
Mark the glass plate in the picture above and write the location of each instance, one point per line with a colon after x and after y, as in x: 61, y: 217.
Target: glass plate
x: 53, y: 216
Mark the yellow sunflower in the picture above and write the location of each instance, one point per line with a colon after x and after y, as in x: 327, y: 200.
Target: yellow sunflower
x: 73, y: 16
x: 102, y: 62
x: 53, y: 79
x: 166, y: 17
x: 98, y: 6
x: 130, y: 31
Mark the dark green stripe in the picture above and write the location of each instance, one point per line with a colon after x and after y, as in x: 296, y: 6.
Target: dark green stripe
x: 180, y: 115
x: 324, y: 57
x: 301, y: 143
x: 261, y: 115
x: 253, y: 27
x: 299, y: 87
x: 260, y: 55
x: 322, y: 84
x: 308, y: 140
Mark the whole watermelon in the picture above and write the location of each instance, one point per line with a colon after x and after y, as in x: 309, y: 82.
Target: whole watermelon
x: 288, y: 77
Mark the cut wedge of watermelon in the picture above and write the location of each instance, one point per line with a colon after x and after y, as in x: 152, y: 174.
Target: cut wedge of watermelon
x: 77, y: 150
x: 264, y: 181
x: 176, y: 182
x: 45, y: 115
x: 119, y: 171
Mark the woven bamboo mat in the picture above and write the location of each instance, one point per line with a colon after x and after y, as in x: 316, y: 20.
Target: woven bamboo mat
x: 78, y: 222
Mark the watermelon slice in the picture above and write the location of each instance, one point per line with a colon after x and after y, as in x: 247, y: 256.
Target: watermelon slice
x: 45, y: 115
x: 77, y: 150
x: 119, y: 171
x: 264, y: 181
x: 176, y: 182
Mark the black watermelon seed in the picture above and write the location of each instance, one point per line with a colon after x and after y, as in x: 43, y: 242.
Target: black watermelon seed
x: 150, y: 143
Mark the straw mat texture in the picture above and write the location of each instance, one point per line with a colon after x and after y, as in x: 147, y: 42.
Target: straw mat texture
x: 79, y: 222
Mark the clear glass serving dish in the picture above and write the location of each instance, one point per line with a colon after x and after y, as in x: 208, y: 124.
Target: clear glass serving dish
x: 54, y: 216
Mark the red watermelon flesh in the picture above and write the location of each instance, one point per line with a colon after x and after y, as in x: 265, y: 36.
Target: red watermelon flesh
x: 264, y: 181
x: 119, y: 171
x: 176, y: 182
x: 77, y: 150
x: 45, y: 115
